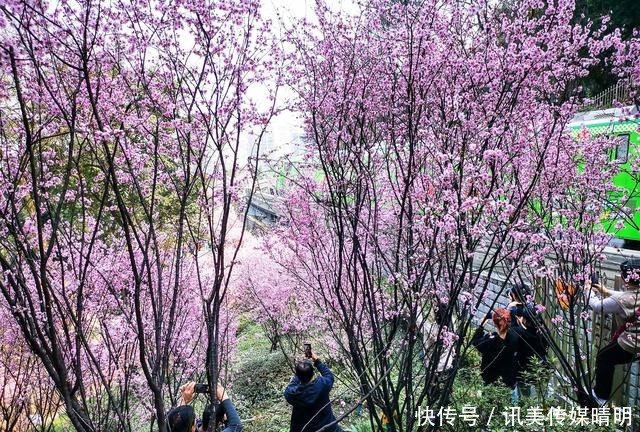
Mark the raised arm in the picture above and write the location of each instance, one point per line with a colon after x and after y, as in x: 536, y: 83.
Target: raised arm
x: 604, y: 291
x: 327, y: 377
x: 479, y: 339
x: 607, y: 306
x: 233, y: 419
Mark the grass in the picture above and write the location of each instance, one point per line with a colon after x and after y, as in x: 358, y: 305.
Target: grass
x: 260, y: 377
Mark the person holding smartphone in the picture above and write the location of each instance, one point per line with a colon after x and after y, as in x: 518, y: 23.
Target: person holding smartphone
x: 624, y: 346
x: 310, y: 398
x: 183, y: 419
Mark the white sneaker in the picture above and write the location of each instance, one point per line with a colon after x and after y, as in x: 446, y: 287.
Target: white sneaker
x: 601, y: 402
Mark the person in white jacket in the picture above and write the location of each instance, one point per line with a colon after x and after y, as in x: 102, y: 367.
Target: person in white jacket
x: 625, y: 345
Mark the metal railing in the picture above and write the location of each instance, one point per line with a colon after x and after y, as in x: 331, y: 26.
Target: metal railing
x: 621, y: 93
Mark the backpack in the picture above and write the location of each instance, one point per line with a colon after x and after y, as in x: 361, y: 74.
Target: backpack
x: 625, y: 325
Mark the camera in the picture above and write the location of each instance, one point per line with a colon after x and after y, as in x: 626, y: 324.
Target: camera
x: 307, y: 350
x: 201, y: 388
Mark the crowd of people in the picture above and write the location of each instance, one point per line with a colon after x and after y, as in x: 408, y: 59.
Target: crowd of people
x: 308, y: 397
x: 624, y: 346
x: 509, y: 353
x: 508, y: 356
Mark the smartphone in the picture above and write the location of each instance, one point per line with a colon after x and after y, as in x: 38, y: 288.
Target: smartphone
x: 307, y: 350
x: 595, y: 278
x: 201, y: 388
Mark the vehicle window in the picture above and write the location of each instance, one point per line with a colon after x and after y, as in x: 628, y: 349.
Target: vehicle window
x: 622, y: 148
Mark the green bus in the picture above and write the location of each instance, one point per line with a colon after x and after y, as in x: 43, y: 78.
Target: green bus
x: 622, y: 124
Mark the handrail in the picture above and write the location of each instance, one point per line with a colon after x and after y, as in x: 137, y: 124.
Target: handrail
x: 621, y: 92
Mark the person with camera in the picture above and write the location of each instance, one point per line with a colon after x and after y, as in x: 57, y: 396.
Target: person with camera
x: 624, y: 346
x: 310, y: 398
x: 532, y: 349
x: 518, y: 301
x: 183, y: 418
x: 532, y: 345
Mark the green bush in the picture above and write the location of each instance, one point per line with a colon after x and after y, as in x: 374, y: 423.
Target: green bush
x: 260, y: 377
x: 469, y: 390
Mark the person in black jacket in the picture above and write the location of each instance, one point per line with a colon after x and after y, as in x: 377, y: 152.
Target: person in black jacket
x: 227, y: 417
x: 310, y: 398
x: 532, y: 347
x: 498, y: 350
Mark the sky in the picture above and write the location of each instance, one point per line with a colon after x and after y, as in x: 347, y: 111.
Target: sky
x: 285, y: 130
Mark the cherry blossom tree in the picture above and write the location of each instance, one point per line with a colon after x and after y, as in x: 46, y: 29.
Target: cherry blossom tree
x: 436, y: 133
x: 438, y: 158
x: 125, y: 128
x: 576, y: 204
x: 272, y: 296
x: 27, y: 398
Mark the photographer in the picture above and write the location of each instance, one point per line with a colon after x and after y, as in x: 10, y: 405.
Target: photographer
x: 518, y: 301
x: 624, y: 346
x: 532, y: 348
x: 310, y: 398
x: 182, y: 418
x: 532, y: 345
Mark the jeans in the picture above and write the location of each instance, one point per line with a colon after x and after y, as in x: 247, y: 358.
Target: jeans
x: 608, y: 356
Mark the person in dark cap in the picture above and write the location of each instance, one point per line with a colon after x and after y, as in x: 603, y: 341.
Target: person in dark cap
x: 625, y: 343
x: 518, y: 301
x: 310, y: 398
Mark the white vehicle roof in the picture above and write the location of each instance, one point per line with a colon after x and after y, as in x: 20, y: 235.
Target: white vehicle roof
x: 600, y: 117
